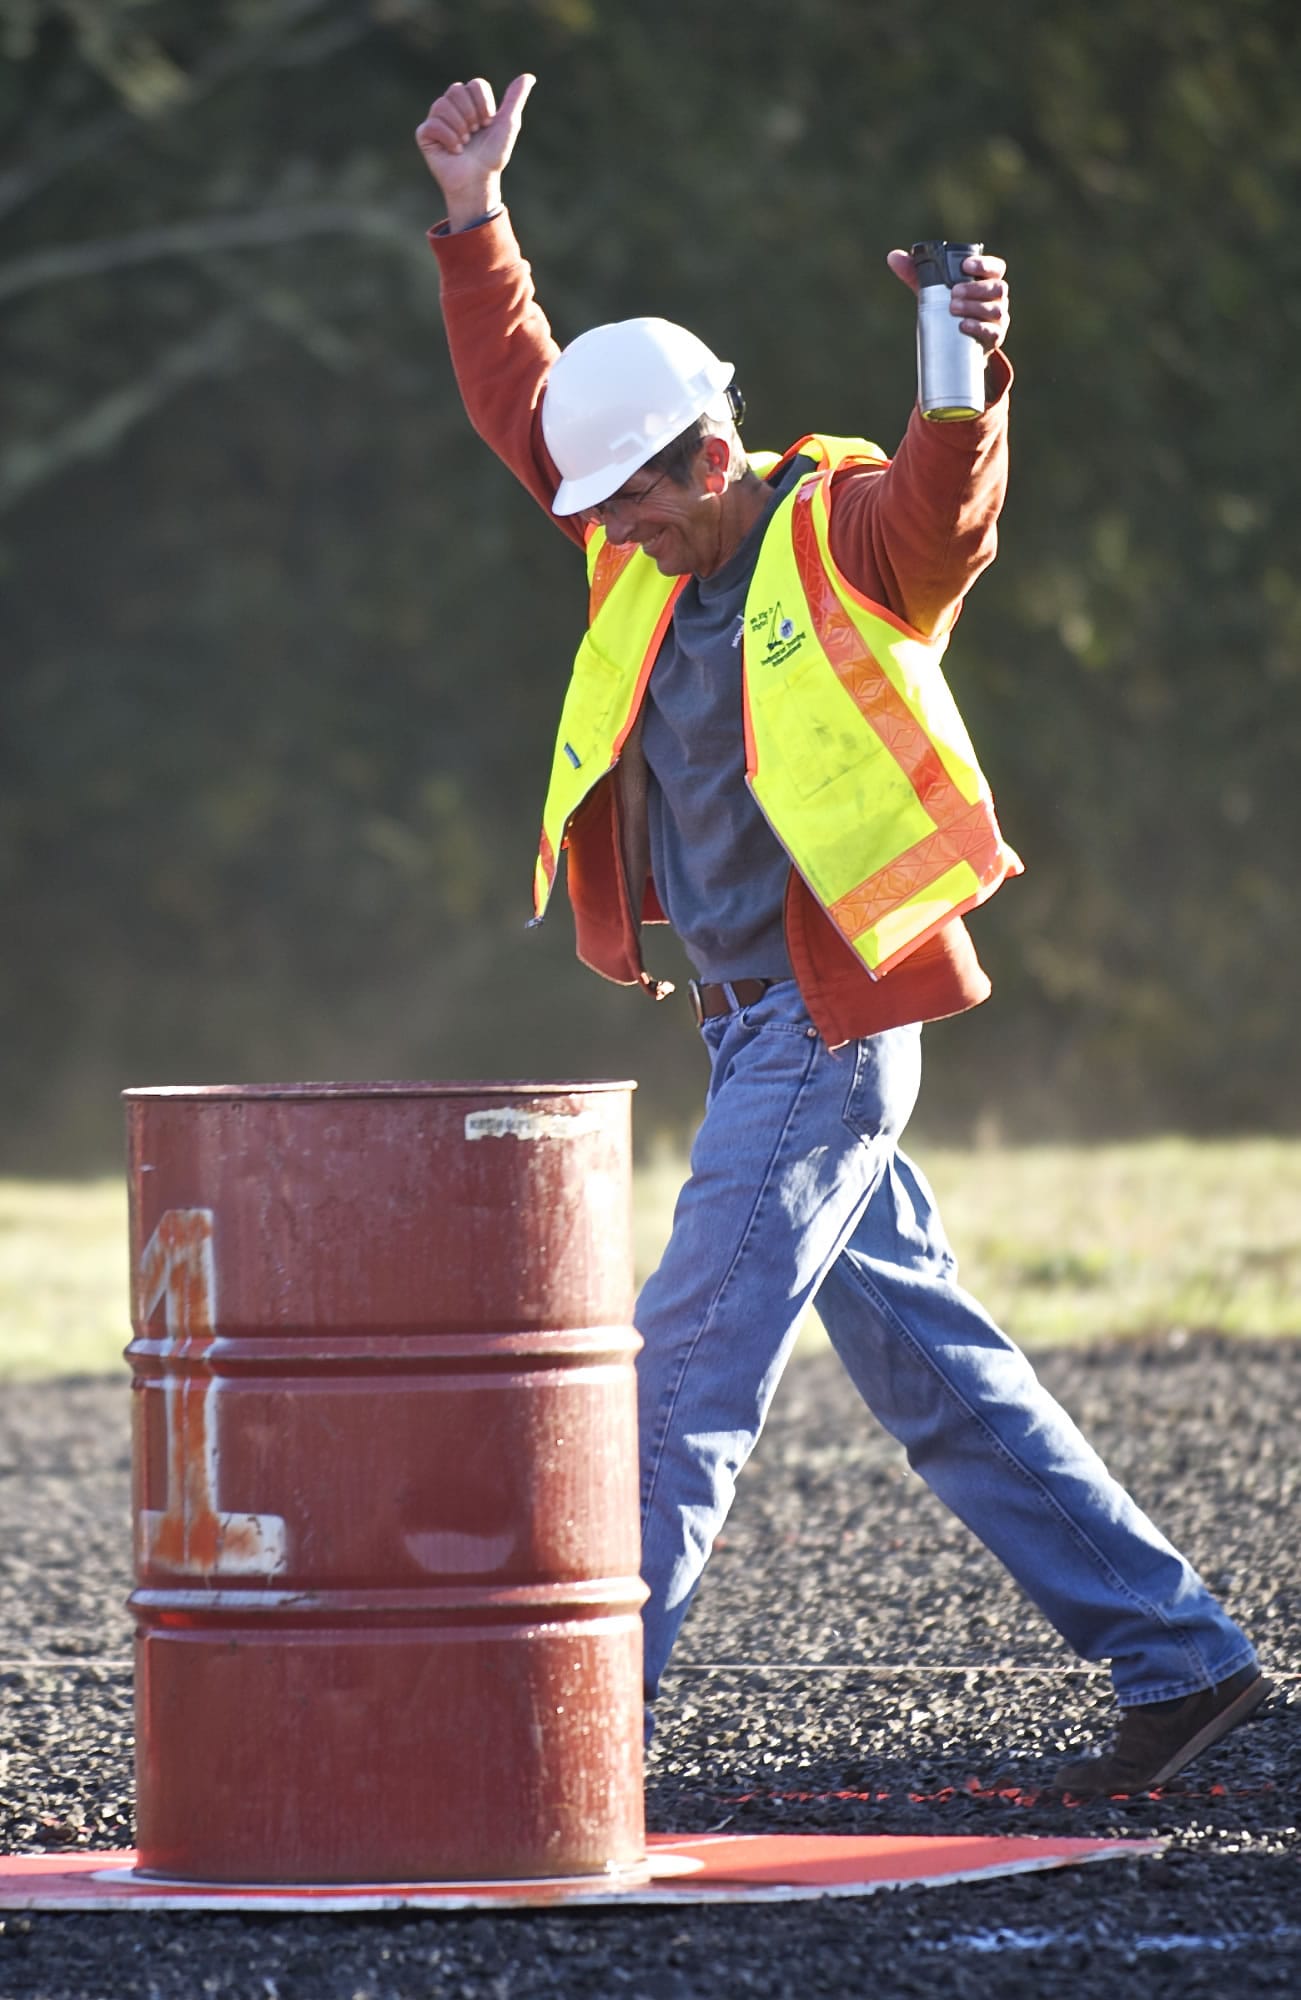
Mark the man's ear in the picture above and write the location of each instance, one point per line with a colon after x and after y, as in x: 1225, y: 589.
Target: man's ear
x: 717, y: 455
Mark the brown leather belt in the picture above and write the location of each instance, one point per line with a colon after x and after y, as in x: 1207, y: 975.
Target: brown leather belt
x: 708, y: 1000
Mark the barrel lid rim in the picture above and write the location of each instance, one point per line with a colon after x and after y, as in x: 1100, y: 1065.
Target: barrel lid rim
x: 261, y: 1092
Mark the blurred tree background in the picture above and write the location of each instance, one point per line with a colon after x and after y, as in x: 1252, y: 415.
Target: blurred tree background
x: 282, y: 647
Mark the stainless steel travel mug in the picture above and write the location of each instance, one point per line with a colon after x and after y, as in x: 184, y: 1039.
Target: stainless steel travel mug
x: 950, y: 363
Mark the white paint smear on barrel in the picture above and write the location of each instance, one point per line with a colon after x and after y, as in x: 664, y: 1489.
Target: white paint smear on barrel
x: 508, y: 1122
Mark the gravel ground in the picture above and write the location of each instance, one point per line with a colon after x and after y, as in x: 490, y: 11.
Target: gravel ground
x: 854, y: 1663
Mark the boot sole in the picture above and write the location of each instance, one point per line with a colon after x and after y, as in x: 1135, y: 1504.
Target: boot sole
x: 1219, y: 1725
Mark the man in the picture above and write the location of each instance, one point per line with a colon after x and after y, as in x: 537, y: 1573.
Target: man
x: 757, y: 744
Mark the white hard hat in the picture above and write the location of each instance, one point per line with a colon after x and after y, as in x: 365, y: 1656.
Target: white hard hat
x: 617, y: 395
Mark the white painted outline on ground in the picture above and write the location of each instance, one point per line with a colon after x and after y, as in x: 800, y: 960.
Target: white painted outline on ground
x: 1046, y: 1939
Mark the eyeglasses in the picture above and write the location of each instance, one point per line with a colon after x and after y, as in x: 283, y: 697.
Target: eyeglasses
x: 603, y: 509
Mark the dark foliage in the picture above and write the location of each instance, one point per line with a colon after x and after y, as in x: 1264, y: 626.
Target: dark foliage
x: 282, y: 646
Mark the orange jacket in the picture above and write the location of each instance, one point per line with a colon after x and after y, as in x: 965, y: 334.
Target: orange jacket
x: 912, y: 536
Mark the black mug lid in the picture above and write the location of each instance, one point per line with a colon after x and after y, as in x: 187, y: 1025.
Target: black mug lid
x: 938, y: 262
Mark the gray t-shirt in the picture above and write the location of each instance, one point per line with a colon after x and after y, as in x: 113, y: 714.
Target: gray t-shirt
x: 719, y: 871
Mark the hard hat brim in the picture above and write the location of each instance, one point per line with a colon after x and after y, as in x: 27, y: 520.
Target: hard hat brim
x: 573, y: 495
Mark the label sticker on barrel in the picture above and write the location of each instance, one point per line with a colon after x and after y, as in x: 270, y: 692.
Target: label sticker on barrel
x: 509, y: 1122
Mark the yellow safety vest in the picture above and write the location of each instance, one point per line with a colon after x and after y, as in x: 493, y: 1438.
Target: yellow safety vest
x: 854, y: 747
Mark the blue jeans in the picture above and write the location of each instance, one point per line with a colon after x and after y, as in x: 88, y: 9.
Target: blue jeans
x: 799, y: 1191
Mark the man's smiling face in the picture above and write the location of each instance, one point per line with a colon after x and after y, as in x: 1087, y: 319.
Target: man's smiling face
x: 677, y: 524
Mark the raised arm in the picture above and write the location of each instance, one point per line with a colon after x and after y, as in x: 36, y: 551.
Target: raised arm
x: 500, y: 342
x: 920, y: 532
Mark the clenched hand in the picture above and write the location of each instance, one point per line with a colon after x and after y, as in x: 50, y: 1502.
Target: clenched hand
x: 466, y: 141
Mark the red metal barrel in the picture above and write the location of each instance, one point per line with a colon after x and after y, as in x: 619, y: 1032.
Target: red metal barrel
x: 385, y: 1487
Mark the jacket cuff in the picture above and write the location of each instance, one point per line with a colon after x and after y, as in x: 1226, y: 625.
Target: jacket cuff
x: 467, y: 256
x: 973, y: 435
x: 998, y: 377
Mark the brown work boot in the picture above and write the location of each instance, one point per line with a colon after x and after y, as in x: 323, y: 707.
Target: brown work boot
x: 1158, y: 1738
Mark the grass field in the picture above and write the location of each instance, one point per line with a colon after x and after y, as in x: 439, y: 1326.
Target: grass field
x: 1061, y: 1243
